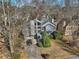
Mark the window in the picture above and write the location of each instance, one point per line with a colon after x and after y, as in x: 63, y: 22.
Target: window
x: 39, y: 23
x: 35, y: 23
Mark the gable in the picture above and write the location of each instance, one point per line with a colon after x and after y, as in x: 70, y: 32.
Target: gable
x: 48, y: 23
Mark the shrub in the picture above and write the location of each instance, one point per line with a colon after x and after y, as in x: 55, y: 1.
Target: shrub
x: 51, y: 36
x: 16, y: 56
x: 46, y: 40
x: 57, y: 35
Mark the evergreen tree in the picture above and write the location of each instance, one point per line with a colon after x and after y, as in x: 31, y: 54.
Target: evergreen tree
x: 46, y: 39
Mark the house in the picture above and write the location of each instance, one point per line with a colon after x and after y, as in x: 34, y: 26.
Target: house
x: 34, y: 27
x: 72, y: 29
x: 44, y: 24
x: 61, y: 25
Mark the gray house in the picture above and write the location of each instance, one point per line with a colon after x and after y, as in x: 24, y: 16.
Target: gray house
x: 33, y: 28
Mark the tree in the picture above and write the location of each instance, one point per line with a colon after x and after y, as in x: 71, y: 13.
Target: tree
x: 46, y: 40
x: 6, y: 19
x: 4, y: 13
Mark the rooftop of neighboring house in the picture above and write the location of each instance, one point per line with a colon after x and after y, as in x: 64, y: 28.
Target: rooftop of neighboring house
x: 44, y: 19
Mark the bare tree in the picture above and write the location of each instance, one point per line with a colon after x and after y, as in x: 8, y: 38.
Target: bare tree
x: 6, y: 19
x: 4, y: 13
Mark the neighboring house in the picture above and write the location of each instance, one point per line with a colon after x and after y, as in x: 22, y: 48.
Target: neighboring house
x: 72, y: 29
x: 61, y: 25
x: 33, y: 28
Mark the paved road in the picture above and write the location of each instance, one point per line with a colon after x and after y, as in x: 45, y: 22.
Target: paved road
x: 33, y: 53
x: 73, y: 57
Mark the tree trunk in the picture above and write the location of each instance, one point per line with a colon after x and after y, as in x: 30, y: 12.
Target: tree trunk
x: 10, y: 37
x: 4, y: 14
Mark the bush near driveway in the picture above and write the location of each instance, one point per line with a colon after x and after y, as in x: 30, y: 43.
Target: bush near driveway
x: 57, y: 35
x: 46, y: 41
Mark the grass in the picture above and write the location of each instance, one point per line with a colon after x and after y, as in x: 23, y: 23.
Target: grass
x: 16, y: 56
x: 67, y: 48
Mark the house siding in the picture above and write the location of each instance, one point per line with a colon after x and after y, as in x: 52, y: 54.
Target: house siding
x: 49, y: 28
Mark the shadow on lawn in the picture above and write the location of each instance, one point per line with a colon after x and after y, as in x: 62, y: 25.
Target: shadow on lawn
x: 68, y: 48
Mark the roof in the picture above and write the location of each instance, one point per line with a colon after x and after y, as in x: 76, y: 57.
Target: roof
x: 36, y: 20
x: 48, y: 23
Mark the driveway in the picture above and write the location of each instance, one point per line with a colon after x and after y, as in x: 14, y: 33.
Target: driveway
x: 73, y: 57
